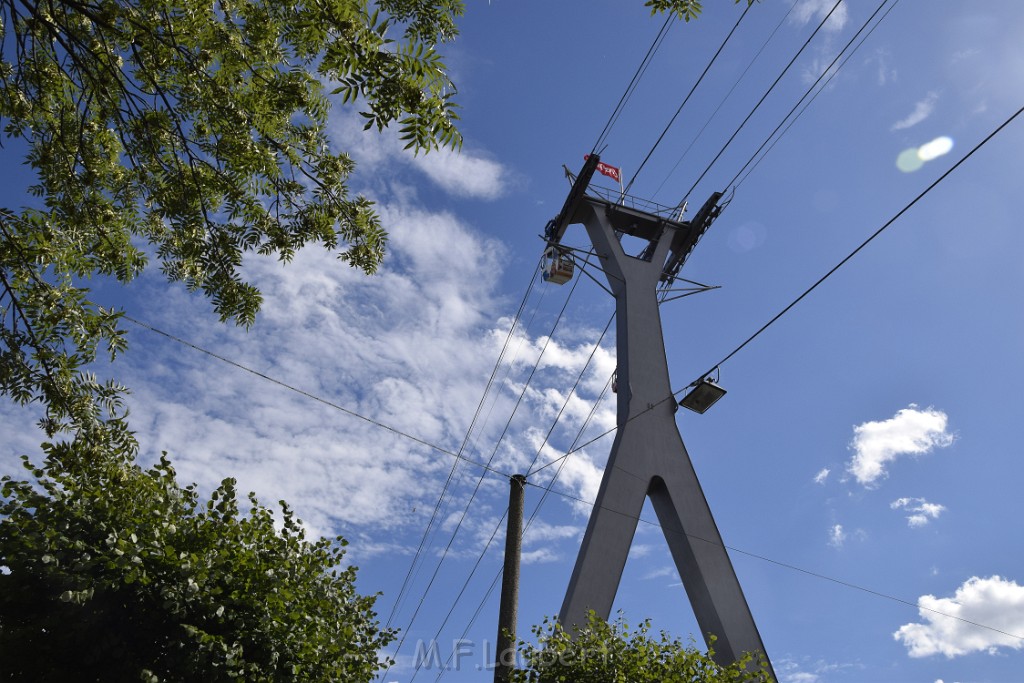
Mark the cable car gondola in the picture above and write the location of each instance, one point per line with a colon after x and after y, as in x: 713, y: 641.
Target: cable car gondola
x: 558, y: 265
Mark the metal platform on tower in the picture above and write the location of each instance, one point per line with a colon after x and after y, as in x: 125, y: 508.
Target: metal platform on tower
x: 636, y: 217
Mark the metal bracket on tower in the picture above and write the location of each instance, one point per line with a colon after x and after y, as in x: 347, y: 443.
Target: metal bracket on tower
x: 555, y: 229
x: 648, y: 458
x: 684, y: 242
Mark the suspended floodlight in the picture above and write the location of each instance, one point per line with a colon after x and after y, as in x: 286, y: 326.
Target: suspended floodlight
x: 705, y: 393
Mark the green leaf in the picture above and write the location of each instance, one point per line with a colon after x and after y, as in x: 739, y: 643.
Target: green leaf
x: 199, y: 129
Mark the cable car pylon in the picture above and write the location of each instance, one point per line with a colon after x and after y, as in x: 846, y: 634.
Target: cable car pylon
x: 648, y: 458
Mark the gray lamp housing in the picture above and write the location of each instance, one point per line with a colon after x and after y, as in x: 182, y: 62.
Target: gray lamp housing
x: 704, y: 395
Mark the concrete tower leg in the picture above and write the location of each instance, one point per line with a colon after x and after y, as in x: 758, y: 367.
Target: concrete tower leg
x: 648, y: 458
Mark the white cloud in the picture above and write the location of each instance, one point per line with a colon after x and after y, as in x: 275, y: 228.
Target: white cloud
x: 660, y: 573
x: 994, y: 602
x: 921, y: 511
x: 641, y: 549
x: 807, y: 670
x: 411, y: 347
x: 922, y: 110
x: 801, y: 677
x: 20, y: 434
x: 885, y: 73
x: 464, y: 173
x: 821, y: 476
x: 806, y: 10
x: 541, y: 531
x: 539, y: 556
x: 542, y: 541
x: 961, y: 55
x: 819, y: 69
x: 581, y: 475
x: 836, y: 536
x: 910, y: 431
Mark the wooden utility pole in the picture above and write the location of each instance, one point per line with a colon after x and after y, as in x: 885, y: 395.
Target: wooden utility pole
x: 505, y: 655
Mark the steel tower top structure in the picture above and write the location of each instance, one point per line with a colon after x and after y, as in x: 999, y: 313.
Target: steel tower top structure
x: 648, y: 458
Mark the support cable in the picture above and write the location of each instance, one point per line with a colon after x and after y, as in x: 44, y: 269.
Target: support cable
x: 634, y: 82
x: 763, y: 558
x: 866, y: 242
x: 451, y: 474
x: 17, y: 311
x: 487, y: 419
x: 763, y: 97
x: 735, y: 84
x: 476, y: 489
x: 592, y: 278
x: 814, y: 97
x: 536, y: 509
x: 784, y: 565
x: 472, y: 620
x: 319, y: 399
x: 613, y: 118
x: 685, y: 100
x: 540, y: 449
x: 810, y: 289
x: 809, y: 90
x: 465, y: 585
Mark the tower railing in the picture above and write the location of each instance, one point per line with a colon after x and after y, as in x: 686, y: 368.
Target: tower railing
x: 616, y: 196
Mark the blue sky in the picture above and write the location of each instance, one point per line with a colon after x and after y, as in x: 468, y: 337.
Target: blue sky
x: 869, y: 437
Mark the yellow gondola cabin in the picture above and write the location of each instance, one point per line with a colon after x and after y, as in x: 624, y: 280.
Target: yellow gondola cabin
x: 558, y: 265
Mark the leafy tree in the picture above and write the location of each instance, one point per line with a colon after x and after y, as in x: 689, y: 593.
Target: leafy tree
x: 112, y: 573
x: 603, y: 652
x: 684, y: 9
x: 194, y: 131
